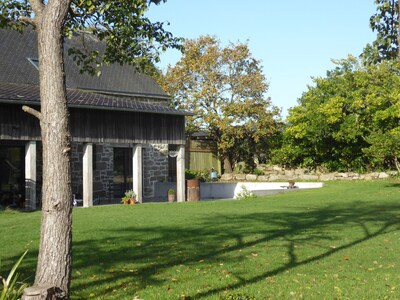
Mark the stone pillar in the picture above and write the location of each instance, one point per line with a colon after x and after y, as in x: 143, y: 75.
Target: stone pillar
x: 180, y: 174
x: 30, y: 175
x: 87, y: 175
x: 137, y: 169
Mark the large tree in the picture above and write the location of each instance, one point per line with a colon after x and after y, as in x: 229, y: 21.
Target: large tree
x: 128, y: 36
x: 348, y: 121
x: 225, y: 89
x: 386, y: 25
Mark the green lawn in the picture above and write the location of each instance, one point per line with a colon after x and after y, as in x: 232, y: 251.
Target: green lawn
x: 339, y: 242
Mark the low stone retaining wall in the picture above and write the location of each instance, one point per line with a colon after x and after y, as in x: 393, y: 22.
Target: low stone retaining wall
x: 275, y: 173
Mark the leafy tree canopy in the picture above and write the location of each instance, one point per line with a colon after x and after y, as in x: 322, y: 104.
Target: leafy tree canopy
x: 225, y: 89
x: 386, y: 24
x: 347, y: 121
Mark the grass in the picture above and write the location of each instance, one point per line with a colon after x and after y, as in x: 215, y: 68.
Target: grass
x: 339, y: 242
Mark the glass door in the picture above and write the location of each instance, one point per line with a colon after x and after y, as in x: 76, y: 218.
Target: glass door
x: 12, y: 176
x: 122, y: 175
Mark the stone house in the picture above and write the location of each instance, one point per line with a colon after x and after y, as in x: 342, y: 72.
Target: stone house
x: 122, y: 128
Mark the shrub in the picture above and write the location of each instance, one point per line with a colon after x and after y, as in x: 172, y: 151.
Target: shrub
x: 245, y: 193
x: 203, y: 175
x: 258, y: 172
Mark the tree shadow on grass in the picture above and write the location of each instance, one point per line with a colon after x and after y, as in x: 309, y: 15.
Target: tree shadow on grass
x: 135, y: 257
x: 171, y: 247
x: 394, y: 185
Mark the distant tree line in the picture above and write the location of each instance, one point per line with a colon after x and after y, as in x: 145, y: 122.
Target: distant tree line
x: 347, y: 121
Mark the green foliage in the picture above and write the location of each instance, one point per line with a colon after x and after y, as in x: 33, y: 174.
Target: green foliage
x: 337, y: 122
x: 242, y: 168
x: 203, y: 176
x: 385, y: 147
x: 127, y: 34
x: 386, y: 24
x: 225, y: 89
x: 171, y: 192
x: 12, y: 289
x: 190, y: 174
x: 129, y: 194
x: 258, y: 172
x: 245, y: 194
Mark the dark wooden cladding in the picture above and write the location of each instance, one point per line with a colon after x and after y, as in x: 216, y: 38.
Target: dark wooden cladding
x: 18, y: 125
x: 105, y: 126
x: 98, y: 126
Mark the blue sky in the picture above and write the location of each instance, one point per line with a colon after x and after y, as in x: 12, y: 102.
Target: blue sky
x: 295, y: 40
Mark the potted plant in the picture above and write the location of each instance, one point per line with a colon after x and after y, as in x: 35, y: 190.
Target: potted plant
x: 129, y: 198
x: 171, y: 195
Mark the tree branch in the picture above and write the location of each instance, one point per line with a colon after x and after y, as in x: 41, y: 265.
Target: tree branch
x: 37, y: 6
x: 28, y: 20
x: 32, y: 111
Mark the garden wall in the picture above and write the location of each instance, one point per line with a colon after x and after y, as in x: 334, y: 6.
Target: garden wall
x: 276, y: 173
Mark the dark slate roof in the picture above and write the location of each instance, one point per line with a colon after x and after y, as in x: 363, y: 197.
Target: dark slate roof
x: 119, y: 87
x: 28, y: 94
x: 15, y: 48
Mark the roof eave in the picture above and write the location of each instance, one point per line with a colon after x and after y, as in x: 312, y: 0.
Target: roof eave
x: 36, y: 103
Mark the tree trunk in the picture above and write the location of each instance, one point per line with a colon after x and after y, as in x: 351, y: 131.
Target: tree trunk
x: 397, y: 164
x: 54, y: 260
x: 227, y: 165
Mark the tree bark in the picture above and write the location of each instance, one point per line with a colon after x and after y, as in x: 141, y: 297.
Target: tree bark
x: 54, y: 260
x: 227, y: 164
x: 397, y: 164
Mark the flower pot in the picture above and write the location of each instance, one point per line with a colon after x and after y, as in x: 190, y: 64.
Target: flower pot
x: 132, y: 201
x: 193, y: 190
x: 171, y: 198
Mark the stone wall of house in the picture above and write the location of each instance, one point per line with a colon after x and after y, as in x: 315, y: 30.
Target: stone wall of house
x: 276, y: 173
x: 103, y: 170
x: 155, y: 167
x: 76, y: 164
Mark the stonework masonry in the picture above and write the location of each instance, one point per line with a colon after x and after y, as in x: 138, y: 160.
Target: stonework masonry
x: 103, y: 171
x: 155, y: 169
x: 276, y: 173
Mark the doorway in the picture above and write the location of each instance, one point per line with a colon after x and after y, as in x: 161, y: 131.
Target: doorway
x: 122, y: 173
x: 12, y: 176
